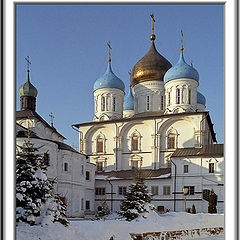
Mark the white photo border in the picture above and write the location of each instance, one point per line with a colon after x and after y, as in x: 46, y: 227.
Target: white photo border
x: 231, y: 111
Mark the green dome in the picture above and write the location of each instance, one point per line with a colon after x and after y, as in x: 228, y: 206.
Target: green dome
x: 27, y: 89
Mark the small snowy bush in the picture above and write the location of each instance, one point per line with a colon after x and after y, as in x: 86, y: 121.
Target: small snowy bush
x: 36, y: 202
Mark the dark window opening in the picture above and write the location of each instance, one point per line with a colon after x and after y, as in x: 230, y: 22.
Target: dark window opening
x: 99, y: 145
x: 185, y: 168
x: 191, y: 190
x: 100, y: 191
x: 122, y: 190
x: 211, y: 167
x: 65, y: 167
x: 87, y: 204
x: 46, y: 159
x: 171, y: 142
x: 135, y: 143
x: 87, y: 175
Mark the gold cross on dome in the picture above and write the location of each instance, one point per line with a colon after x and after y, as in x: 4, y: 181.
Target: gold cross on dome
x: 28, y: 62
x: 153, y: 20
x: 182, y: 41
x: 109, y: 51
x: 52, y: 117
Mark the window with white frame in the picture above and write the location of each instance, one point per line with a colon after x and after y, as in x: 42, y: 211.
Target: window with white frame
x: 154, y: 190
x: 135, y: 143
x: 99, y: 166
x: 185, y: 168
x: 211, y: 167
x: 191, y: 190
x: 171, y: 141
x: 122, y: 190
x: 103, y: 103
x: 100, y: 142
x: 100, y: 191
x: 107, y: 103
x: 169, y: 98
x: 166, y: 190
x: 178, y: 96
x: 135, y: 164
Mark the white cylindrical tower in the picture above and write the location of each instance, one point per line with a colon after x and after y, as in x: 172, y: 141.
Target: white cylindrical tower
x: 181, y: 82
x: 108, y: 96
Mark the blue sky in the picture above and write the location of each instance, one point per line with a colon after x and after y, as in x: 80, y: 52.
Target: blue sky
x: 67, y: 45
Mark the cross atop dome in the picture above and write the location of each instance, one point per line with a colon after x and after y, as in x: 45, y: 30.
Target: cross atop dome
x: 181, y: 41
x: 109, y: 51
x: 28, y: 63
x: 152, y: 37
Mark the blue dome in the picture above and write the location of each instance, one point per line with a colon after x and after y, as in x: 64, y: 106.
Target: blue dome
x: 109, y: 80
x: 181, y: 70
x: 128, y: 101
x: 201, y: 99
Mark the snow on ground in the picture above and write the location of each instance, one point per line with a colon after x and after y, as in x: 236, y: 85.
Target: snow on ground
x: 120, y: 229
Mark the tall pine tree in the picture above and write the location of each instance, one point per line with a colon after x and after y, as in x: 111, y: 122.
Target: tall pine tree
x: 36, y: 202
x: 135, y: 199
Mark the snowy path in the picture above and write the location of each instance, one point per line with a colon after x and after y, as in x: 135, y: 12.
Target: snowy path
x: 120, y: 229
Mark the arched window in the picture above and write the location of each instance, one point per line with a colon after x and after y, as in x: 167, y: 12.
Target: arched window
x: 171, y: 138
x: 100, y: 145
x: 148, y: 103
x: 162, y: 99
x: 135, y: 143
x: 171, y: 141
x: 103, y: 103
x: 178, y: 96
x: 169, y: 99
x: 114, y: 104
x: 189, y: 96
x: 135, y: 161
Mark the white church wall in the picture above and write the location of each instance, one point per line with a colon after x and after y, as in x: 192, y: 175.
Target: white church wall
x: 184, y: 85
x: 158, y: 200
x: 109, y: 110
x: 199, y: 177
x: 152, y: 89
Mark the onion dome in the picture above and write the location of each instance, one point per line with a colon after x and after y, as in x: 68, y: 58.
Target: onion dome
x: 181, y: 70
x: 109, y: 80
x: 151, y: 67
x: 129, y: 100
x: 201, y: 99
x: 27, y: 89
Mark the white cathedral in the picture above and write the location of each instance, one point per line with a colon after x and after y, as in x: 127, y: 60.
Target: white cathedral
x: 160, y: 126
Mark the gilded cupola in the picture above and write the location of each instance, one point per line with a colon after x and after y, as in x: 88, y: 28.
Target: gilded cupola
x: 152, y: 67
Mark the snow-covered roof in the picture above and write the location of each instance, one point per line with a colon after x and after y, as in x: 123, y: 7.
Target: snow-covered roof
x: 128, y: 174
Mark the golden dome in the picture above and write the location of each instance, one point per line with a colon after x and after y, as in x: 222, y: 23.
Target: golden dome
x: 151, y: 67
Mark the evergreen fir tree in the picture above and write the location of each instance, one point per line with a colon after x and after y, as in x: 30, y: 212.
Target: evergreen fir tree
x: 36, y: 202
x: 103, y: 209
x: 212, y: 204
x: 135, y: 199
x: 193, y: 211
